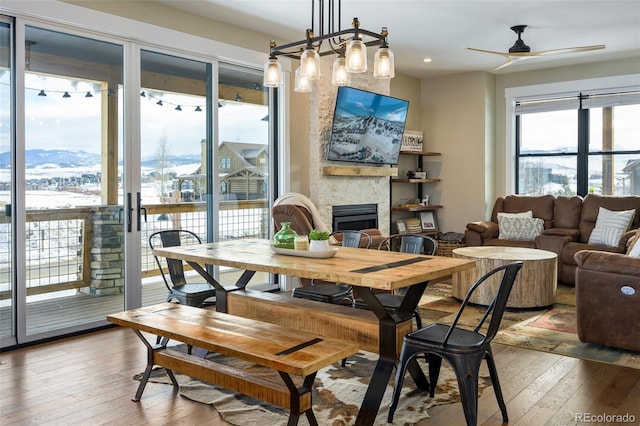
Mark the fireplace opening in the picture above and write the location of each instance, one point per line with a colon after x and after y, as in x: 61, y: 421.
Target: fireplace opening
x: 355, y: 217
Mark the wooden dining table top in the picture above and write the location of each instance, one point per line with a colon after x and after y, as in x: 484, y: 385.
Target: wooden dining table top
x: 377, y: 269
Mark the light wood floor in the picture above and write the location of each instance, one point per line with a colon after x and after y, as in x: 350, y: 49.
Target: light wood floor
x: 87, y: 380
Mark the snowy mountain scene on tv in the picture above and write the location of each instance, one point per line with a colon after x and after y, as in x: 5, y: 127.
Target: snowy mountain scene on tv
x: 367, y: 127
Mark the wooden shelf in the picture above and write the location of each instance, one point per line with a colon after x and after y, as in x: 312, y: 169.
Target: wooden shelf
x: 359, y: 171
x: 405, y: 180
x: 415, y: 208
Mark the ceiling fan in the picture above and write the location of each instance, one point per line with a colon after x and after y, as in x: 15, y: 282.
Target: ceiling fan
x: 520, y: 51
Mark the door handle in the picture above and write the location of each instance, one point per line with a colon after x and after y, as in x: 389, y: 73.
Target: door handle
x: 140, y: 208
x: 129, y: 210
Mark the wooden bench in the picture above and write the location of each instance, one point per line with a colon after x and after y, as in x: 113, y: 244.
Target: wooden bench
x: 286, y: 350
x: 325, y: 319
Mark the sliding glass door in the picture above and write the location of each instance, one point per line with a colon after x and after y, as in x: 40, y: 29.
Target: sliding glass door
x: 174, y: 141
x: 98, y: 155
x: 7, y: 286
x: 73, y: 209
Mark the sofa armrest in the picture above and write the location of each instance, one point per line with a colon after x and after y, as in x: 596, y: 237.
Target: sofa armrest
x: 486, y: 229
x: 615, y: 263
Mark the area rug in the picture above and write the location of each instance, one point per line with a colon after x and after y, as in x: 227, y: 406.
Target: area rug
x: 337, y: 395
x: 548, y: 330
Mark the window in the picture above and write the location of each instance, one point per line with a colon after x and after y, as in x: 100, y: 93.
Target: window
x: 578, y: 144
x: 225, y: 163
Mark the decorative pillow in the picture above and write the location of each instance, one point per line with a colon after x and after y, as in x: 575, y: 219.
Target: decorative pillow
x: 634, y: 246
x: 635, y: 250
x: 610, y: 226
x: 523, y: 214
x: 519, y: 228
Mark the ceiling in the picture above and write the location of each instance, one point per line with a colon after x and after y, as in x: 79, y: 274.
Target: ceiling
x: 442, y: 29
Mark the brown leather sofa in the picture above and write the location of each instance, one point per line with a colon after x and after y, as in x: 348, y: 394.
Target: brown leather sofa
x: 568, y: 223
x: 608, y: 299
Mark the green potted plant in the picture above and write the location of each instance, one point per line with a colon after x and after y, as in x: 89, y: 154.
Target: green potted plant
x: 318, y: 240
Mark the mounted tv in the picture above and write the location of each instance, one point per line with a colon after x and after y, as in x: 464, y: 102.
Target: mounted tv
x: 367, y: 127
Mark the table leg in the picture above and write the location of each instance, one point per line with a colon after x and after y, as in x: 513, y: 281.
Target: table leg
x: 221, y: 291
x: 387, y: 349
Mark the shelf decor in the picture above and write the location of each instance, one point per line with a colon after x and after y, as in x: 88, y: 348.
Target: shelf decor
x: 412, y: 141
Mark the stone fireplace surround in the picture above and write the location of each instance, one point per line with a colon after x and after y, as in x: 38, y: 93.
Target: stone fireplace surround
x: 329, y: 191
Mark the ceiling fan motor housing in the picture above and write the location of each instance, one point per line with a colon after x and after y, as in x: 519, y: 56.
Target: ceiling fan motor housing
x: 519, y: 46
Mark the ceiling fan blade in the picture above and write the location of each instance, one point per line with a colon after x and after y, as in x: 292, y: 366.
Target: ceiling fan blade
x: 506, y: 55
x: 511, y: 60
x: 567, y: 50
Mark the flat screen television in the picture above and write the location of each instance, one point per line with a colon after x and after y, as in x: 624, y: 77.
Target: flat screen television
x: 367, y: 127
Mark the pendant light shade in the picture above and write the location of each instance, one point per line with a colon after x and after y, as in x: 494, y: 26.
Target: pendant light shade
x: 310, y: 64
x: 383, y: 64
x: 349, y: 44
x: 340, y: 76
x: 272, y: 73
x: 356, y: 56
x: 302, y: 84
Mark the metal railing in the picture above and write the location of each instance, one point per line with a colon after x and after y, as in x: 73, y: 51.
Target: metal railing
x: 59, y: 241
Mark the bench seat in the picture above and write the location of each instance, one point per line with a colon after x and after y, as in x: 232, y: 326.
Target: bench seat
x: 330, y: 320
x: 286, y: 350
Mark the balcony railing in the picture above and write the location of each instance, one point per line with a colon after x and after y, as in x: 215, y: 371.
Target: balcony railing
x: 60, y: 242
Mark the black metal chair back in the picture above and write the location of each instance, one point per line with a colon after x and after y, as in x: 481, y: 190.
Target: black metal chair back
x: 175, y: 267
x: 411, y: 243
x: 353, y: 238
x: 464, y: 349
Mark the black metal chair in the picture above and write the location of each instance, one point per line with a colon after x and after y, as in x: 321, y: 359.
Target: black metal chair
x: 407, y: 243
x: 191, y: 294
x: 462, y: 348
x: 322, y: 291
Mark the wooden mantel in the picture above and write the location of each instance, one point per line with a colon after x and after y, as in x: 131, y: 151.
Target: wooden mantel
x: 359, y: 171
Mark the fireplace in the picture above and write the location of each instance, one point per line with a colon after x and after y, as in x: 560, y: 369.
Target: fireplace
x: 355, y: 217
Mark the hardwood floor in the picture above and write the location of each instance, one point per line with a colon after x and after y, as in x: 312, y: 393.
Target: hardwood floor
x: 87, y: 380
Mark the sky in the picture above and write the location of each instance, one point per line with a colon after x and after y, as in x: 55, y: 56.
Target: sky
x: 57, y: 122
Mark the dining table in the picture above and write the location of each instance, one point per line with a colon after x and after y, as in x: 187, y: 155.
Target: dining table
x: 371, y: 271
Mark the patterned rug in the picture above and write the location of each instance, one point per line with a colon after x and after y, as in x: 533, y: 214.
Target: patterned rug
x: 548, y: 330
x: 337, y: 394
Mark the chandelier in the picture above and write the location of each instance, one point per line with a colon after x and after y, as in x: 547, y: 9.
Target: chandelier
x: 350, y: 45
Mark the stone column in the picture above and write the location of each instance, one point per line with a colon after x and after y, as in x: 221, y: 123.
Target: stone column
x: 327, y: 191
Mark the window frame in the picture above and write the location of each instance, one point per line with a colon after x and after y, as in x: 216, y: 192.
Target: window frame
x: 628, y: 82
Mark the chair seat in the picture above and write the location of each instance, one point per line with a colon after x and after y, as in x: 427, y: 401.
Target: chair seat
x: 192, y: 294
x: 328, y: 293
x: 434, y: 335
x: 193, y: 288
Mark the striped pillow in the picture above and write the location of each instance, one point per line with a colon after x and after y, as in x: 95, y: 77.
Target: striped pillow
x: 610, y: 226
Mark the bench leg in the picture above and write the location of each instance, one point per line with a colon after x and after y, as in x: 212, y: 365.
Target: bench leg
x: 151, y: 350
x: 296, y: 393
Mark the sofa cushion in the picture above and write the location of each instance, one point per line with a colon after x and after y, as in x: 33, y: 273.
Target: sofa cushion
x: 633, y: 242
x: 591, y: 207
x: 528, y: 214
x: 566, y: 212
x: 519, y: 228
x: 610, y: 226
x: 541, y: 206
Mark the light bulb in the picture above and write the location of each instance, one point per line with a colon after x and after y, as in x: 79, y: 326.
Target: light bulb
x: 302, y: 84
x: 310, y: 64
x: 356, y: 56
x: 383, y: 64
x: 272, y: 73
x: 340, y: 75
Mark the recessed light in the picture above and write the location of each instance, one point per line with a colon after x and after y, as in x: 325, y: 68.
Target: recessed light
x: 426, y: 60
